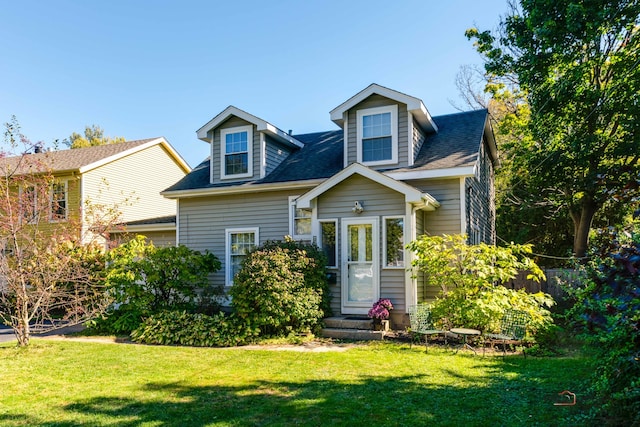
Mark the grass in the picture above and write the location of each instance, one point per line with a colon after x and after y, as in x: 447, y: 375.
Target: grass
x: 68, y: 383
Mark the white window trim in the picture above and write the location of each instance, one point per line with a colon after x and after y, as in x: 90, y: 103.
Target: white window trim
x: 384, y: 242
x: 292, y: 219
x: 227, y: 248
x: 66, y: 202
x: 393, y: 109
x: 223, y: 151
x: 335, y: 222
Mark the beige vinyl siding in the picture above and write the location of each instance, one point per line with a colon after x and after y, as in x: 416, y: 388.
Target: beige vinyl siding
x: 378, y: 201
x: 161, y: 238
x: 480, y: 202
x: 129, y: 184
x: 203, y: 220
x: 216, y: 150
x: 445, y: 219
x: 275, y: 154
x: 403, y: 132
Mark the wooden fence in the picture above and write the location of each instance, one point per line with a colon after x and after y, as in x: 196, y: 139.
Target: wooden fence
x: 552, y: 285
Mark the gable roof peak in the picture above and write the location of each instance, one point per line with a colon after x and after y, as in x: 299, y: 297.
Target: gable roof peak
x: 414, y: 105
x: 261, y: 125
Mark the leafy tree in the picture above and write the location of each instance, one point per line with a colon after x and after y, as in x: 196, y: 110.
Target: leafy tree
x: 607, y: 310
x: 49, y: 272
x: 142, y: 279
x: 577, y: 62
x: 93, y: 136
x: 470, y: 278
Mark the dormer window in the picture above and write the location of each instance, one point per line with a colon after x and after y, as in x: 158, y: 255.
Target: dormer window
x: 377, y: 135
x: 236, y: 152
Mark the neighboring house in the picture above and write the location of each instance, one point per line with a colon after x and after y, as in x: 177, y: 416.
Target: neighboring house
x: 389, y: 174
x: 128, y: 176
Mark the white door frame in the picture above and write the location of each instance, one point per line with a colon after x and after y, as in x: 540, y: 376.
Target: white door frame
x: 364, y: 306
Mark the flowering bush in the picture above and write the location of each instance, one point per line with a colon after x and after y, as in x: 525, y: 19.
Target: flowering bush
x: 380, y: 309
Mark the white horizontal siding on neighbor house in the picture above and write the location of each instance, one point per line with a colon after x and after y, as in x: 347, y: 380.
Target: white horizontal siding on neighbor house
x: 203, y: 220
x: 139, y: 178
x: 377, y: 201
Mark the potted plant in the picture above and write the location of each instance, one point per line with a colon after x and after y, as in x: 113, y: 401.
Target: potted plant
x: 380, y: 313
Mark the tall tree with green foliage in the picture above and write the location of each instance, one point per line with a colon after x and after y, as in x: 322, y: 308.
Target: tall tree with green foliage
x: 578, y: 62
x: 93, y: 136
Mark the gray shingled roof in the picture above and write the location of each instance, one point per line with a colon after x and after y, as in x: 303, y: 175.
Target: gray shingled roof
x: 456, y: 144
x: 72, y: 159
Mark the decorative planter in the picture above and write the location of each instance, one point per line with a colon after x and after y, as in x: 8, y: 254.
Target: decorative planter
x: 380, y: 325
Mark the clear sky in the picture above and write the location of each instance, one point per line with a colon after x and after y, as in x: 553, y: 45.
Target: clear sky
x: 142, y: 69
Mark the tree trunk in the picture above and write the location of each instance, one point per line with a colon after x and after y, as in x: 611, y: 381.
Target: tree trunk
x: 23, y: 332
x: 582, y: 225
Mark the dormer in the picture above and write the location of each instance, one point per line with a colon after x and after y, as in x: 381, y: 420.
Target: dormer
x: 383, y: 128
x: 244, y: 147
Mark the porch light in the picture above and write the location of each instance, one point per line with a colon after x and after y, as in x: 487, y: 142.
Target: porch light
x: 357, y: 207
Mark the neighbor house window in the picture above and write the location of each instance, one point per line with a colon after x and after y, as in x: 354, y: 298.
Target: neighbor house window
x: 329, y: 242
x: 238, y: 242
x: 59, y: 201
x: 377, y: 134
x: 236, y: 144
x: 299, y: 221
x: 394, y: 241
x: 29, y: 203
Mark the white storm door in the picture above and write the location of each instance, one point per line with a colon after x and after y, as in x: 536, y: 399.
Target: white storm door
x: 360, y: 259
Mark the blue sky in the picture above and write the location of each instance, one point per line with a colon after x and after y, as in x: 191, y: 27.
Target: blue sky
x: 142, y: 69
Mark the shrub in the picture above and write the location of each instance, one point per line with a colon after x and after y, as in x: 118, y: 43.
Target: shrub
x: 192, y: 329
x: 282, y: 288
x: 469, y: 277
x: 608, y: 312
x: 142, y: 280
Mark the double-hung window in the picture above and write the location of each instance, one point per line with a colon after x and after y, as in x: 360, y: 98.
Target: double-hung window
x: 58, y: 201
x: 329, y: 241
x: 238, y: 242
x: 377, y: 134
x: 394, y: 242
x: 299, y: 221
x: 236, y: 157
x: 29, y: 205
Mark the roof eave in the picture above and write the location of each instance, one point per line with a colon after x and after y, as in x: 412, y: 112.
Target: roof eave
x: 240, y: 189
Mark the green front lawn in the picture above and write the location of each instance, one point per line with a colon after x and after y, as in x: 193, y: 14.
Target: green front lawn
x: 57, y: 383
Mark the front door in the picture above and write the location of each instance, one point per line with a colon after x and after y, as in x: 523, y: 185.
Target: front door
x: 360, y: 258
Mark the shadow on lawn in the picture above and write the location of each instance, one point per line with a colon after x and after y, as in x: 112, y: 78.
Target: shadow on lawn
x: 513, y: 394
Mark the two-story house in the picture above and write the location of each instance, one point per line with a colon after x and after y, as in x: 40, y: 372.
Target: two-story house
x: 125, y: 177
x: 388, y: 174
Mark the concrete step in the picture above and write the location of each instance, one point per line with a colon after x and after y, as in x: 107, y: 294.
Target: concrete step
x: 348, y: 323
x: 352, y: 334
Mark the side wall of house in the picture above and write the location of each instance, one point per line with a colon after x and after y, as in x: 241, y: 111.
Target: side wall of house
x: 275, y: 154
x: 444, y: 220
x: 133, y: 184
x: 480, y: 201
x: 203, y: 221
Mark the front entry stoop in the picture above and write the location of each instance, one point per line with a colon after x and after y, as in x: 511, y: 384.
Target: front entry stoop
x: 352, y: 328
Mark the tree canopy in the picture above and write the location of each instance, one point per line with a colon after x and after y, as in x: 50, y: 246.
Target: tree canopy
x: 577, y: 64
x: 93, y: 136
